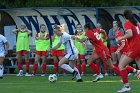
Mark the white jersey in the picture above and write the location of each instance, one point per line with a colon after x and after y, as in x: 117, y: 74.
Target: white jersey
x: 2, y: 47
x: 66, y: 40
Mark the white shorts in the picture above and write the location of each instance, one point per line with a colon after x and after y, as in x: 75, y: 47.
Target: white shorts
x: 71, y: 56
x: 2, y: 54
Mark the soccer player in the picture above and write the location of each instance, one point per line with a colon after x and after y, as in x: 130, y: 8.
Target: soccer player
x: 42, y: 44
x: 101, y: 51
x: 72, y: 53
x: 113, y: 46
x: 22, y: 47
x: 81, y: 49
x: 104, y: 40
x: 132, y: 35
x: 4, y: 45
x: 57, y: 54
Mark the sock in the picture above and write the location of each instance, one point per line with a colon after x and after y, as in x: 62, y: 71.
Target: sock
x: 98, y: 65
x: 116, y: 65
x: 1, y: 70
x: 94, y: 68
x: 56, y: 67
x: 83, y: 67
x: 79, y: 67
x: 116, y: 70
x: 78, y: 75
x: 27, y: 67
x: 67, y: 67
x: 35, y: 68
x: 105, y: 67
x: 124, y: 76
x: 19, y: 65
x: 130, y: 69
x: 44, y: 68
x: 63, y: 70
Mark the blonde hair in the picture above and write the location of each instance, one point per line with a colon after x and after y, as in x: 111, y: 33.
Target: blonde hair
x: 63, y: 27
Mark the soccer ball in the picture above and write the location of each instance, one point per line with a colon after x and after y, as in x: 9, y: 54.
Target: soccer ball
x: 52, y: 78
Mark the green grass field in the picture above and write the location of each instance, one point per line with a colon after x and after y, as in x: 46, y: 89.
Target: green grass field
x: 38, y: 84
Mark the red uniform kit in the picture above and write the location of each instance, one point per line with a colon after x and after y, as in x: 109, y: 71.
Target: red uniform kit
x: 100, y: 49
x: 134, y: 43
x: 126, y: 47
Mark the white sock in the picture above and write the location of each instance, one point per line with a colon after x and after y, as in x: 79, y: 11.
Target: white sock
x: 126, y: 84
x: 1, y: 70
x: 134, y: 70
x: 78, y: 75
x: 67, y: 67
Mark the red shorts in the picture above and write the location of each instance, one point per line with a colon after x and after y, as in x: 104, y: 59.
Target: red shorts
x: 58, y: 53
x: 113, y: 49
x: 104, y: 54
x: 41, y: 53
x: 22, y: 52
x: 133, y: 54
x: 81, y: 57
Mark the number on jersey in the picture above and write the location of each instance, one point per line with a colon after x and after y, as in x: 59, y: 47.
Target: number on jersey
x: 97, y: 36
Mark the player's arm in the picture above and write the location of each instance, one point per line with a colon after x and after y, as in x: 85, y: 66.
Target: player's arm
x: 104, y: 34
x: 52, y: 38
x: 6, y: 47
x: 79, y: 40
x: 110, y: 35
x: 128, y: 35
x: 121, y: 47
x: 57, y: 46
x: 29, y: 32
x: 15, y: 31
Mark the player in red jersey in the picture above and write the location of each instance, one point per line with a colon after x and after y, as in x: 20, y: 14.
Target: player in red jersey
x: 101, y: 51
x: 132, y: 35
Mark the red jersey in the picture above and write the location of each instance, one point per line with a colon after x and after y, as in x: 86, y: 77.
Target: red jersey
x: 94, y: 38
x: 126, y: 47
x: 134, y: 41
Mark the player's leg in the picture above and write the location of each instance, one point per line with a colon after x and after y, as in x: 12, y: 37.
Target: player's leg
x: 26, y: 56
x: 19, y: 58
x: 44, y: 54
x: 55, y: 58
x: 82, y: 58
x: 1, y: 66
x: 124, y: 61
x: 78, y: 65
x: 37, y: 59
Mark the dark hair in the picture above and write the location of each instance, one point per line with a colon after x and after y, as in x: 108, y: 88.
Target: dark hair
x: 88, y: 25
x: 76, y: 30
x: 42, y: 25
x: 56, y: 26
x: 129, y: 15
x: 118, y: 23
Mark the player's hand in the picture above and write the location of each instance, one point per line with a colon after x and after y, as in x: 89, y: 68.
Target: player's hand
x: 117, y: 52
x: 119, y: 39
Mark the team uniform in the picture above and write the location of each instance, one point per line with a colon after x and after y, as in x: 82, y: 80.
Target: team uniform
x: 58, y: 53
x: 82, y: 52
x: 126, y: 47
x: 71, y: 50
x: 41, y: 49
x: 22, y: 47
x: 100, y: 49
x: 2, y: 52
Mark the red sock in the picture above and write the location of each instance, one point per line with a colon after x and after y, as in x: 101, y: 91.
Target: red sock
x: 94, y: 68
x: 98, y: 65
x: 44, y: 68
x: 129, y: 69
x: 19, y: 65
x: 27, y: 66
x: 79, y: 67
x: 35, y: 68
x: 105, y: 67
x: 116, y: 70
x: 63, y: 70
x: 83, y: 67
x: 124, y: 76
x: 56, y: 67
x: 116, y: 65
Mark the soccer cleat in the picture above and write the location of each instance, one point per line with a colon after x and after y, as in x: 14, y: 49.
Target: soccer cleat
x: 28, y: 75
x: 106, y: 74
x: 100, y: 76
x: 20, y: 73
x: 33, y: 75
x: 79, y: 80
x: 74, y: 74
x: 94, y: 74
x: 124, y: 89
x: 43, y: 75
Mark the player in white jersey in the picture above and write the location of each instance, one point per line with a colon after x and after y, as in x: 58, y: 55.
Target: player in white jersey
x: 72, y: 53
x: 3, y: 51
